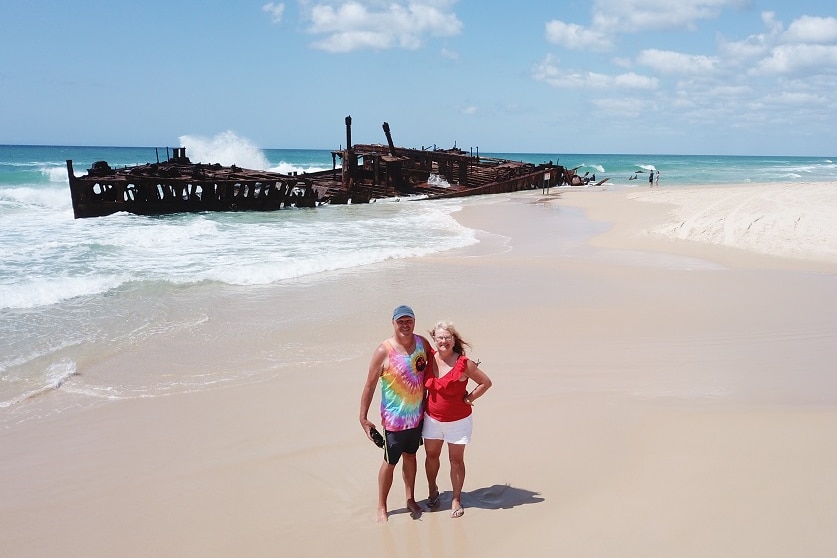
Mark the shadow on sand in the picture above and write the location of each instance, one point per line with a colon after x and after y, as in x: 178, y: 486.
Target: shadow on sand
x: 496, y: 497
x: 499, y: 497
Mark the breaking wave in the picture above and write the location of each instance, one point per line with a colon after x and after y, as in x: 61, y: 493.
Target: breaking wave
x: 226, y: 148
x: 56, y: 376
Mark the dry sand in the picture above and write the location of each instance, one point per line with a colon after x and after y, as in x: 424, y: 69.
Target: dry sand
x: 658, y: 391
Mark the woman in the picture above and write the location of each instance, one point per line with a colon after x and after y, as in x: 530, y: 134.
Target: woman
x: 448, y: 414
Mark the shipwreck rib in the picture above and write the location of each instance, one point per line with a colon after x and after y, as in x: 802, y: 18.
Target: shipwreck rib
x: 177, y: 185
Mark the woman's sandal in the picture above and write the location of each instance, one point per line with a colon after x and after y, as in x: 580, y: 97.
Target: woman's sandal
x: 433, y: 501
x: 458, y: 512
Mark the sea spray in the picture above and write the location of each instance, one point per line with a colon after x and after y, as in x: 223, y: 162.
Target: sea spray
x: 226, y: 148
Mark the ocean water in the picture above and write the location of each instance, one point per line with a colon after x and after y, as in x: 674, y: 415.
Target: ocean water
x: 692, y: 170
x: 74, y: 289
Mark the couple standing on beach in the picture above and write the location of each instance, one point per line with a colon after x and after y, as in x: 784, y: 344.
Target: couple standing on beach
x: 407, y: 368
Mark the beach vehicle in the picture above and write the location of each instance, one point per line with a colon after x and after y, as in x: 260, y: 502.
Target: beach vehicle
x: 366, y: 172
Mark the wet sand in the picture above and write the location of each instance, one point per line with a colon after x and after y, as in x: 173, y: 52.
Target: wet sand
x: 653, y: 395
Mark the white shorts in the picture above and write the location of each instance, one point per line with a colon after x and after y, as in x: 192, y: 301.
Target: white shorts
x: 456, y: 432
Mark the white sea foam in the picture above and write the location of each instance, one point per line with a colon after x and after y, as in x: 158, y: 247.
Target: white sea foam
x: 10, y: 362
x: 290, y: 168
x: 56, y: 174
x: 162, y: 235
x: 439, y: 181
x: 597, y: 168
x: 43, y: 291
x: 226, y: 148
x: 49, y: 198
x: 96, y: 256
x: 54, y: 377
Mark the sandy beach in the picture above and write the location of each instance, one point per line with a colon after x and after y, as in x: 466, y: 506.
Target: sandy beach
x: 663, y: 368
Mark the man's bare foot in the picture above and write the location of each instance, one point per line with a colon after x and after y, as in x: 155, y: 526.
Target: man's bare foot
x: 415, y: 509
x: 382, y: 515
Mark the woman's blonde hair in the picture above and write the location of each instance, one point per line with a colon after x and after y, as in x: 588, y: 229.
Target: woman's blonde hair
x: 459, y: 344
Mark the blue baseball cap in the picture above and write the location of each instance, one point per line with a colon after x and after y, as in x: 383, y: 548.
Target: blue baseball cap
x: 403, y: 311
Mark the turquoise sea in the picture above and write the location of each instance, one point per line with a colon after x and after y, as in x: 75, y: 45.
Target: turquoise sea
x: 73, y: 288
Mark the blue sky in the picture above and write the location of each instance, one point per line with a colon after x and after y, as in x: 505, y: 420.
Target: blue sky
x: 603, y: 76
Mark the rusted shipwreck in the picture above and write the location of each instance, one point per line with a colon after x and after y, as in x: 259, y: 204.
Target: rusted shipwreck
x: 365, y: 172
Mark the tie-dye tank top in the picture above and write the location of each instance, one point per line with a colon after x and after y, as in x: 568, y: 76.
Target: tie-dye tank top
x: 402, y: 388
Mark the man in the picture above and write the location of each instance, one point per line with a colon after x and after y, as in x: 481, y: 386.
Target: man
x: 401, y: 363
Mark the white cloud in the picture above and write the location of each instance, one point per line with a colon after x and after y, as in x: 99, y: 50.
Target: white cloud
x: 682, y: 101
x: 469, y: 110
x: 623, y: 62
x: 782, y: 72
x: 807, y: 29
x: 624, y: 106
x: 637, y: 16
x: 670, y: 62
x: 450, y: 54
x: 740, y: 52
x: 549, y: 72
x: 576, y: 37
x: 371, y: 24
x: 809, y: 44
x: 632, y: 80
x: 730, y: 91
x: 794, y: 58
x: 796, y: 98
x: 275, y: 10
x: 773, y: 25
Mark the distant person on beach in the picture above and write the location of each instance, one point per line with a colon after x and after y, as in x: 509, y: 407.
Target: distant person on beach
x: 401, y: 364
x: 657, y: 179
x: 651, y: 178
x: 449, y: 406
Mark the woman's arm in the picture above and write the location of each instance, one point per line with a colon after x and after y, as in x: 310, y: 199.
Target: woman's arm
x: 483, y: 382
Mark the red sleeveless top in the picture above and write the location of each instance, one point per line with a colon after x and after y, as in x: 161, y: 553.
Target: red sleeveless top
x: 446, y: 395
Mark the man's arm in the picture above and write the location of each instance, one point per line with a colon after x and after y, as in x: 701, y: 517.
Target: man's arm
x: 376, y: 366
x: 431, y: 371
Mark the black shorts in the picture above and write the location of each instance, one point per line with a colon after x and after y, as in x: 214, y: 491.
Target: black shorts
x: 403, y: 441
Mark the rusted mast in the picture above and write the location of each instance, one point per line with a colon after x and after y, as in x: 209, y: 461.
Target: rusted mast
x: 349, y: 161
x: 394, y: 167
x: 389, y: 139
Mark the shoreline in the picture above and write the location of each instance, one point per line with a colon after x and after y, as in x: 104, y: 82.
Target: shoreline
x: 645, y: 403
